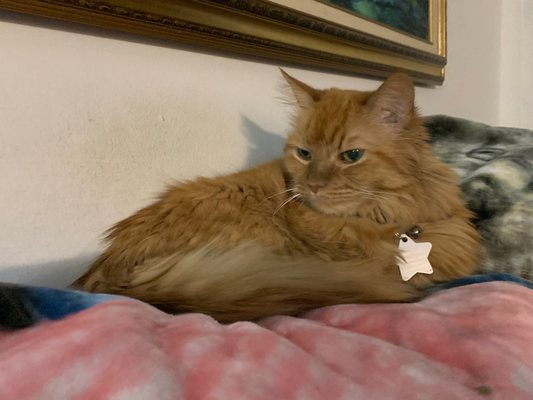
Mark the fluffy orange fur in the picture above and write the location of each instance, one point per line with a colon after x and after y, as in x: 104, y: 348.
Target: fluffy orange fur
x: 314, y: 228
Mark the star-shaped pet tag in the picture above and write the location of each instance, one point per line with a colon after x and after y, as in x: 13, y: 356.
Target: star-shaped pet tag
x: 413, y: 258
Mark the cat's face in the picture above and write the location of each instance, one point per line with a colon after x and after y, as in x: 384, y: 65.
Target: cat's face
x: 346, y: 154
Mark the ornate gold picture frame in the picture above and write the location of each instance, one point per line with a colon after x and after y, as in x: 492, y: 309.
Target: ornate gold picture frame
x: 302, y: 32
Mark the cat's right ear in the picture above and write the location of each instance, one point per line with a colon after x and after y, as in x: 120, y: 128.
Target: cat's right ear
x: 304, y: 94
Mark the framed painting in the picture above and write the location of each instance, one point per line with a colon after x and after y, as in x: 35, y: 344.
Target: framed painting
x: 364, y: 37
x: 411, y: 17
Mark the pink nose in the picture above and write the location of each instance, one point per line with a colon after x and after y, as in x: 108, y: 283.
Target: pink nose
x: 315, y: 187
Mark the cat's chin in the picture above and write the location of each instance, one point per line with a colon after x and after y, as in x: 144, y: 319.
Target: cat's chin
x: 326, y: 207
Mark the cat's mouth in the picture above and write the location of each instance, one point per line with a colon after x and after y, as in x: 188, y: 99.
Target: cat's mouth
x: 345, y: 206
x: 334, y: 201
x: 316, y: 201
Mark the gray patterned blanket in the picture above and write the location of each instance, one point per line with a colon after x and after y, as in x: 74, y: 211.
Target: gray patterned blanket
x: 496, y: 169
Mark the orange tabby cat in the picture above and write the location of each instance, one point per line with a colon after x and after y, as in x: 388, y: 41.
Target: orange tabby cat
x: 317, y: 227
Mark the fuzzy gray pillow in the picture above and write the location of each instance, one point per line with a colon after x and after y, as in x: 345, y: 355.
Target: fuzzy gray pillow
x: 496, y: 170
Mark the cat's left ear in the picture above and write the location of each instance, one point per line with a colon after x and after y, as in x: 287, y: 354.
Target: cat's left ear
x: 393, y: 103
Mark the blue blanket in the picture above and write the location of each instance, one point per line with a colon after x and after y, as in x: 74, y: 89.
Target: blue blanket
x: 24, y: 306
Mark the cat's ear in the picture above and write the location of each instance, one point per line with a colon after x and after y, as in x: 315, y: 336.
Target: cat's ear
x: 393, y: 103
x: 304, y: 94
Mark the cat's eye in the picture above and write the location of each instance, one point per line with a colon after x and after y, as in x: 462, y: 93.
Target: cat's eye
x: 303, y: 154
x: 351, y: 156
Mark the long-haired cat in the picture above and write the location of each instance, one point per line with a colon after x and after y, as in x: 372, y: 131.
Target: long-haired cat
x: 318, y: 227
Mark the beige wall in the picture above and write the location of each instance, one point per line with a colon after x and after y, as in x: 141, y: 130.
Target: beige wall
x: 92, y: 127
x: 516, y: 81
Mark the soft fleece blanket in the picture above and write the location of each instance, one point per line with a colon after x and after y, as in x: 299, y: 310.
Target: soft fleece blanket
x: 465, y: 342
x: 495, y: 165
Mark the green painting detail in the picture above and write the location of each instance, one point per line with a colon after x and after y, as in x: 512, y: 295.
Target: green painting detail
x: 410, y: 16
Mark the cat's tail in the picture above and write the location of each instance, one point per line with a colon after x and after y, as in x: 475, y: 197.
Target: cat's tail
x: 249, y: 282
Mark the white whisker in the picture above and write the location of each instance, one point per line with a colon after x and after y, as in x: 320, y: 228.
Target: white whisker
x: 369, y: 191
x: 371, y: 196
x: 280, y: 193
x: 287, y: 201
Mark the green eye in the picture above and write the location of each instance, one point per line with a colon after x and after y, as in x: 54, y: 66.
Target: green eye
x: 351, y: 156
x: 303, y: 154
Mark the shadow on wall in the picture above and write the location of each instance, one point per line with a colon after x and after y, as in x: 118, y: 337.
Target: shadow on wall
x: 263, y: 146
x: 56, y: 274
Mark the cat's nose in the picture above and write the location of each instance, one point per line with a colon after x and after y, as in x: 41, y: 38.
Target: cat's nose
x: 315, y: 187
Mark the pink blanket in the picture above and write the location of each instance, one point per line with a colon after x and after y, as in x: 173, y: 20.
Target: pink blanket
x: 465, y: 343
